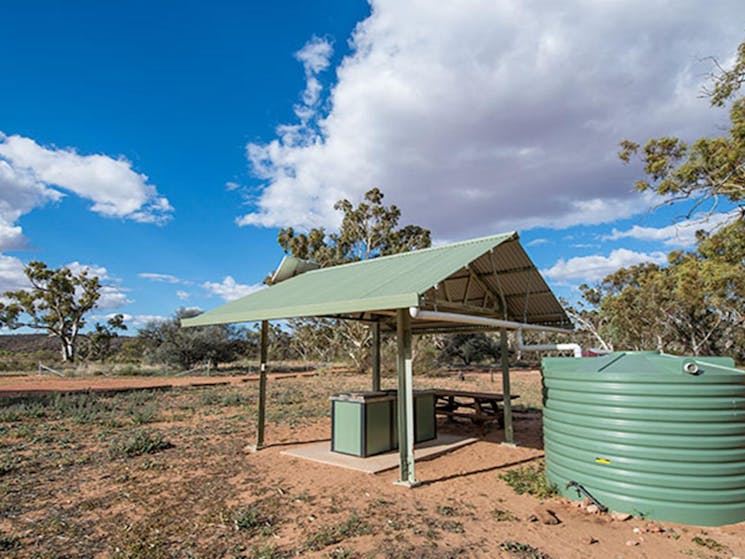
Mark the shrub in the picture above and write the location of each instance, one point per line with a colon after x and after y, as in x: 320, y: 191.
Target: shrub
x: 140, y: 442
x: 531, y: 480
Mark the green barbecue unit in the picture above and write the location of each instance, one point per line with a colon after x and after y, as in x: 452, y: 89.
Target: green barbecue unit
x: 650, y: 434
x: 365, y: 423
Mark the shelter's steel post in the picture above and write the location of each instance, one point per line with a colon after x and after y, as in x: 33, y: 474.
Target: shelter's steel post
x: 405, y: 400
x: 376, y: 357
x: 509, y: 436
x: 262, y: 384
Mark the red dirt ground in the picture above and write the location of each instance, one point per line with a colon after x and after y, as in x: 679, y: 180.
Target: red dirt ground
x: 179, y: 502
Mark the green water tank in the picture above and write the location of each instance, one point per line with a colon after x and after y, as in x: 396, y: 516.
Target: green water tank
x: 658, y: 436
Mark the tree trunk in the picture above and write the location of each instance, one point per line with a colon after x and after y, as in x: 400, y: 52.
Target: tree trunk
x: 68, y: 351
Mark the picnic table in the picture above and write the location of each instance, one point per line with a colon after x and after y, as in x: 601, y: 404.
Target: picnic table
x: 484, y: 405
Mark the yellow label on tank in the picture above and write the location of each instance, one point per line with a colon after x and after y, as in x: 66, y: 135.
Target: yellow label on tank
x: 602, y: 460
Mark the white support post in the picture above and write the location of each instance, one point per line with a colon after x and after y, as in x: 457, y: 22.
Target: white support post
x: 407, y: 474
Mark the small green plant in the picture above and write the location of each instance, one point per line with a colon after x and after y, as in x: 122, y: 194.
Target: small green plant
x: 217, y: 397
x: 500, y: 515
x: 267, y: 551
x: 254, y: 520
x: 9, y: 464
x: 8, y: 542
x: 353, y: 526
x: 523, y: 550
x: 144, y: 414
x: 529, y: 480
x: 140, y: 442
x: 709, y: 543
x: 446, y: 510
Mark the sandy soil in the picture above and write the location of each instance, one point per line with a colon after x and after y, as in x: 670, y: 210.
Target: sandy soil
x: 185, y: 501
x: 35, y: 384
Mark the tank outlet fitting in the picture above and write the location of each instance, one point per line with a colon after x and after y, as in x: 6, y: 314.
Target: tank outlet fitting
x: 691, y: 367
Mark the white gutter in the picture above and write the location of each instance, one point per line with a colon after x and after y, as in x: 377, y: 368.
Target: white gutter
x: 418, y: 313
x: 576, y: 348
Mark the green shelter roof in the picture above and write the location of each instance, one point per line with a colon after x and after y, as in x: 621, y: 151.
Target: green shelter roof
x: 490, y: 276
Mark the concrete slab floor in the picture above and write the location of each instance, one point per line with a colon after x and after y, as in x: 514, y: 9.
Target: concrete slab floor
x: 321, y: 452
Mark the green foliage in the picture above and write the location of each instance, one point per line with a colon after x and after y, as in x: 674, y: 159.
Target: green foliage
x: 255, y: 520
x: 367, y: 230
x: 709, y: 543
x: 56, y: 301
x: 530, y: 480
x: 709, y: 168
x: 694, y: 305
x: 166, y: 342
x: 470, y: 348
x: 523, y: 550
x: 8, y: 542
x: 144, y: 414
x: 140, y: 442
x: 351, y: 527
x: 9, y: 464
x: 500, y: 515
x: 370, y: 229
x: 97, y: 344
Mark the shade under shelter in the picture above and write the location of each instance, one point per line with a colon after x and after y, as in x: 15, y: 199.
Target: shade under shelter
x: 488, y: 283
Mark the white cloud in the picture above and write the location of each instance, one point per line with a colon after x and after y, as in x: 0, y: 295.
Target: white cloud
x: 506, y: 113
x: 682, y: 234
x: 536, y: 242
x: 231, y: 185
x: 12, y: 277
x: 32, y: 175
x: 133, y: 322
x: 112, y: 295
x: 229, y: 289
x: 596, y: 267
x: 164, y: 278
x: 315, y: 57
x: 183, y: 295
x: 20, y: 192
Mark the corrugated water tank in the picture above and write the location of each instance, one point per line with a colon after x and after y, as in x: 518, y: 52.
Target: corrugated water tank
x: 655, y: 435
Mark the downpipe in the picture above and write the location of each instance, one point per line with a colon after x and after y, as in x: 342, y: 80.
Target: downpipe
x: 576, y: 348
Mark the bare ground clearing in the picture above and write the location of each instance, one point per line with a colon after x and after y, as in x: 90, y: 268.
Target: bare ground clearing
x: 154, y: 474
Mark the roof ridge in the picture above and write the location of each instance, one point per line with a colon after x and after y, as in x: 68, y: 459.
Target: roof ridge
x: 505, y: 235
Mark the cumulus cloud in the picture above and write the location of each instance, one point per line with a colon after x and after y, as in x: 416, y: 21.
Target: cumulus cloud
x: 681, y: 234
x: 113, y: 295
x: 506, y: 113
x: 32, y: 175
x: 183, y: 295
x: 20, y: 192
x: 163, y: 278
x: 12, y: 277
x: 596, y: 267
x: 135, y: 322
x: 229, y: 289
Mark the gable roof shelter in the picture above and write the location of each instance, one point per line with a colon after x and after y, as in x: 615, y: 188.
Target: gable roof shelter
x: 481, y: 284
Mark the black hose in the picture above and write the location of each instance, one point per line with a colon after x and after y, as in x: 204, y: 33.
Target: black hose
x: 586, y: 493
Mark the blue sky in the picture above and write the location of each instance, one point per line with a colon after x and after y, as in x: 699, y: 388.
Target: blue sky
x: 162, y: 144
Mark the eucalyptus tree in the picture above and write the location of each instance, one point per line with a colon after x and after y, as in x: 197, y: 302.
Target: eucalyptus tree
x: 710, y: 168
x: 56, y: 301
x: 368, y: 230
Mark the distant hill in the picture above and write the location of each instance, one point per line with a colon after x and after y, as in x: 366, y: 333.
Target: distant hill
x: 28, y: 343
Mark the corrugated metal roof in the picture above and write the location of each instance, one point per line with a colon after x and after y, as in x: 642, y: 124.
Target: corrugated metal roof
x: 465, y: 276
